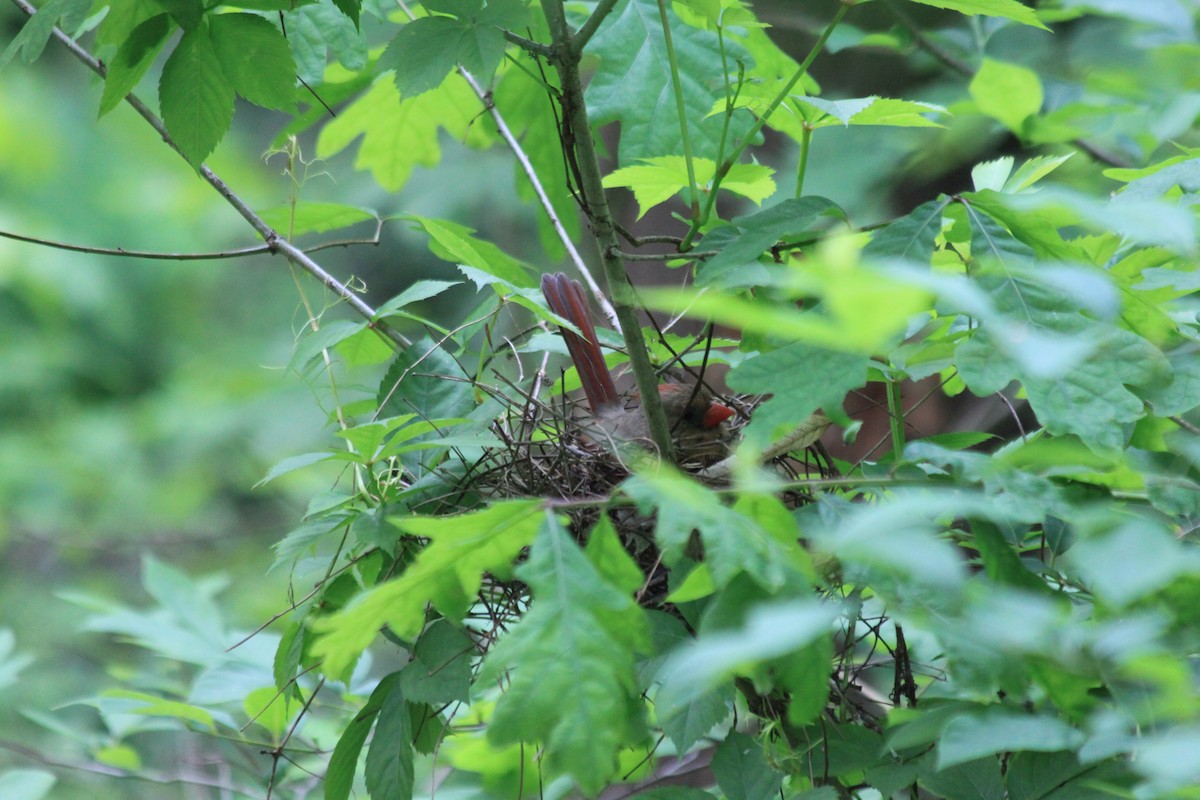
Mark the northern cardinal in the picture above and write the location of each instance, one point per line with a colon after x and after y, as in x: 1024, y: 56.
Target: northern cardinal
x: 694, y: 417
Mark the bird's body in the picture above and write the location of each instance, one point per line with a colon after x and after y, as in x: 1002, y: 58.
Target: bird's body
x: 693, y: 415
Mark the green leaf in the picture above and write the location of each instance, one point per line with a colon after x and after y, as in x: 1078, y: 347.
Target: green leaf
x: 25, y: 784
x: 256, y: 59
x: 350, y: 8
x: 424, y: 52
x: 187, y: 13
x: 31, y: 40
x: 425, y: 380
x: 660, y: 178
x: 585, y: 707
x: 796, y: 399
x: 741, y: 769
x: 863, y: 308
x: 1091, y: 400
x: 454, y: 242
x: 634, y: 78
x: 389, y: 769
x: 1133, y: 561
x: 415, y: 293
x: 149, y: 705
x: 133, y: 58
x: 440, y: 670
x: 1007, y: 92
x: 196, y: 97
x: 1008, y: 9
x: 1036, y: 775
x: 733, y: 543
x: 997, y: 730
x: 293, y: 463
x: 400, y: 134
x: 872, y: 111
x: 122, y: 18
x: 446, y: 574
x: 314, y: 33
x: 772, y: 632
x: 974, y: 780
x: 746, y: 239
x: 339, y: 775
x: 308, y: 217
x: 911, y: 237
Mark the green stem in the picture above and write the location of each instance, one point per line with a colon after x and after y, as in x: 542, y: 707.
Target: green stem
x: 896, y: 417
x: 783, y: 94
x: 805, y: 144
x: 595, y: 205
x: 589, y: 27
x: 677, y: 86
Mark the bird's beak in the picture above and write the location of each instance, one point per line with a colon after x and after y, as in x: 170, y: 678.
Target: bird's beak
x: 716, y: 414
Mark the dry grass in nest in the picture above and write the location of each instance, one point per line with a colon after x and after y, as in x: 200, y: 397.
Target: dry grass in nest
x: 545, y: 452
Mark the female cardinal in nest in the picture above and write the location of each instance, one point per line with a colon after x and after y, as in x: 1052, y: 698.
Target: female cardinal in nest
x: 692, y: 414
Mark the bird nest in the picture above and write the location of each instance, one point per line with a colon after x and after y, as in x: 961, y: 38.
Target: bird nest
x: 546, y: 451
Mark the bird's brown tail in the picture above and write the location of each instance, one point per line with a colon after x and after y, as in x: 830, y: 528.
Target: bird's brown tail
x: 565, y: 298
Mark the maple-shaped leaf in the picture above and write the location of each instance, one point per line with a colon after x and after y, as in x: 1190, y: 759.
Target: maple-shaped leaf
x: 400, y: 134
x: 657, y: 180
x: 633, y: 83
x: 446, y: 574
x: 570, y: 661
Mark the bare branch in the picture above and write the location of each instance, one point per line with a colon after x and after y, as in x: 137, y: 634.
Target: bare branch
x: 275, y: 243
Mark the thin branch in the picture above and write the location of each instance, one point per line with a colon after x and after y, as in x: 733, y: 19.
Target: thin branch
x: 275, y: 243
x: 693, y: 254
x: 543, y: 198
x: 96, y: 768
x: 154, y: 255
x: 530, y: 46
x: 589, y: 27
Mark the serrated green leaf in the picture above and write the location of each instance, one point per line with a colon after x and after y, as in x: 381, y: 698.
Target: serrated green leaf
x: 585, y: 708
x: 32, y: 38
x: 658, y: 179
x: 454, y: 242
x: 418, y: 291
x: 389, y: 768
x: 122, y: 18
x: 153, y: 706
x: 911, y: 237
x: 308, y: 217
x: 770, y: 631
x: 741, y: 769
x: 293, y: 463
x: 733, y: 543
x: 634, y: 78
x: 1008, y: 9
x: 999, y: 730
x: 423, y: 53
x: 256, y: 59
x: 317, y: 31
x: 196, y: 97
x: 133, y: 58
x: 424, y: 379
x: 400, y: 134
x: 187, y: 13
x: 1009, y: 93
x: 1134, y: 560
x: 440, y: 670
x: 339, y: 775
x: 795, y: 400
x: 327, y: 336
x: 446, y: 574
x: 1033, y: 170
x: 350, y: 8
